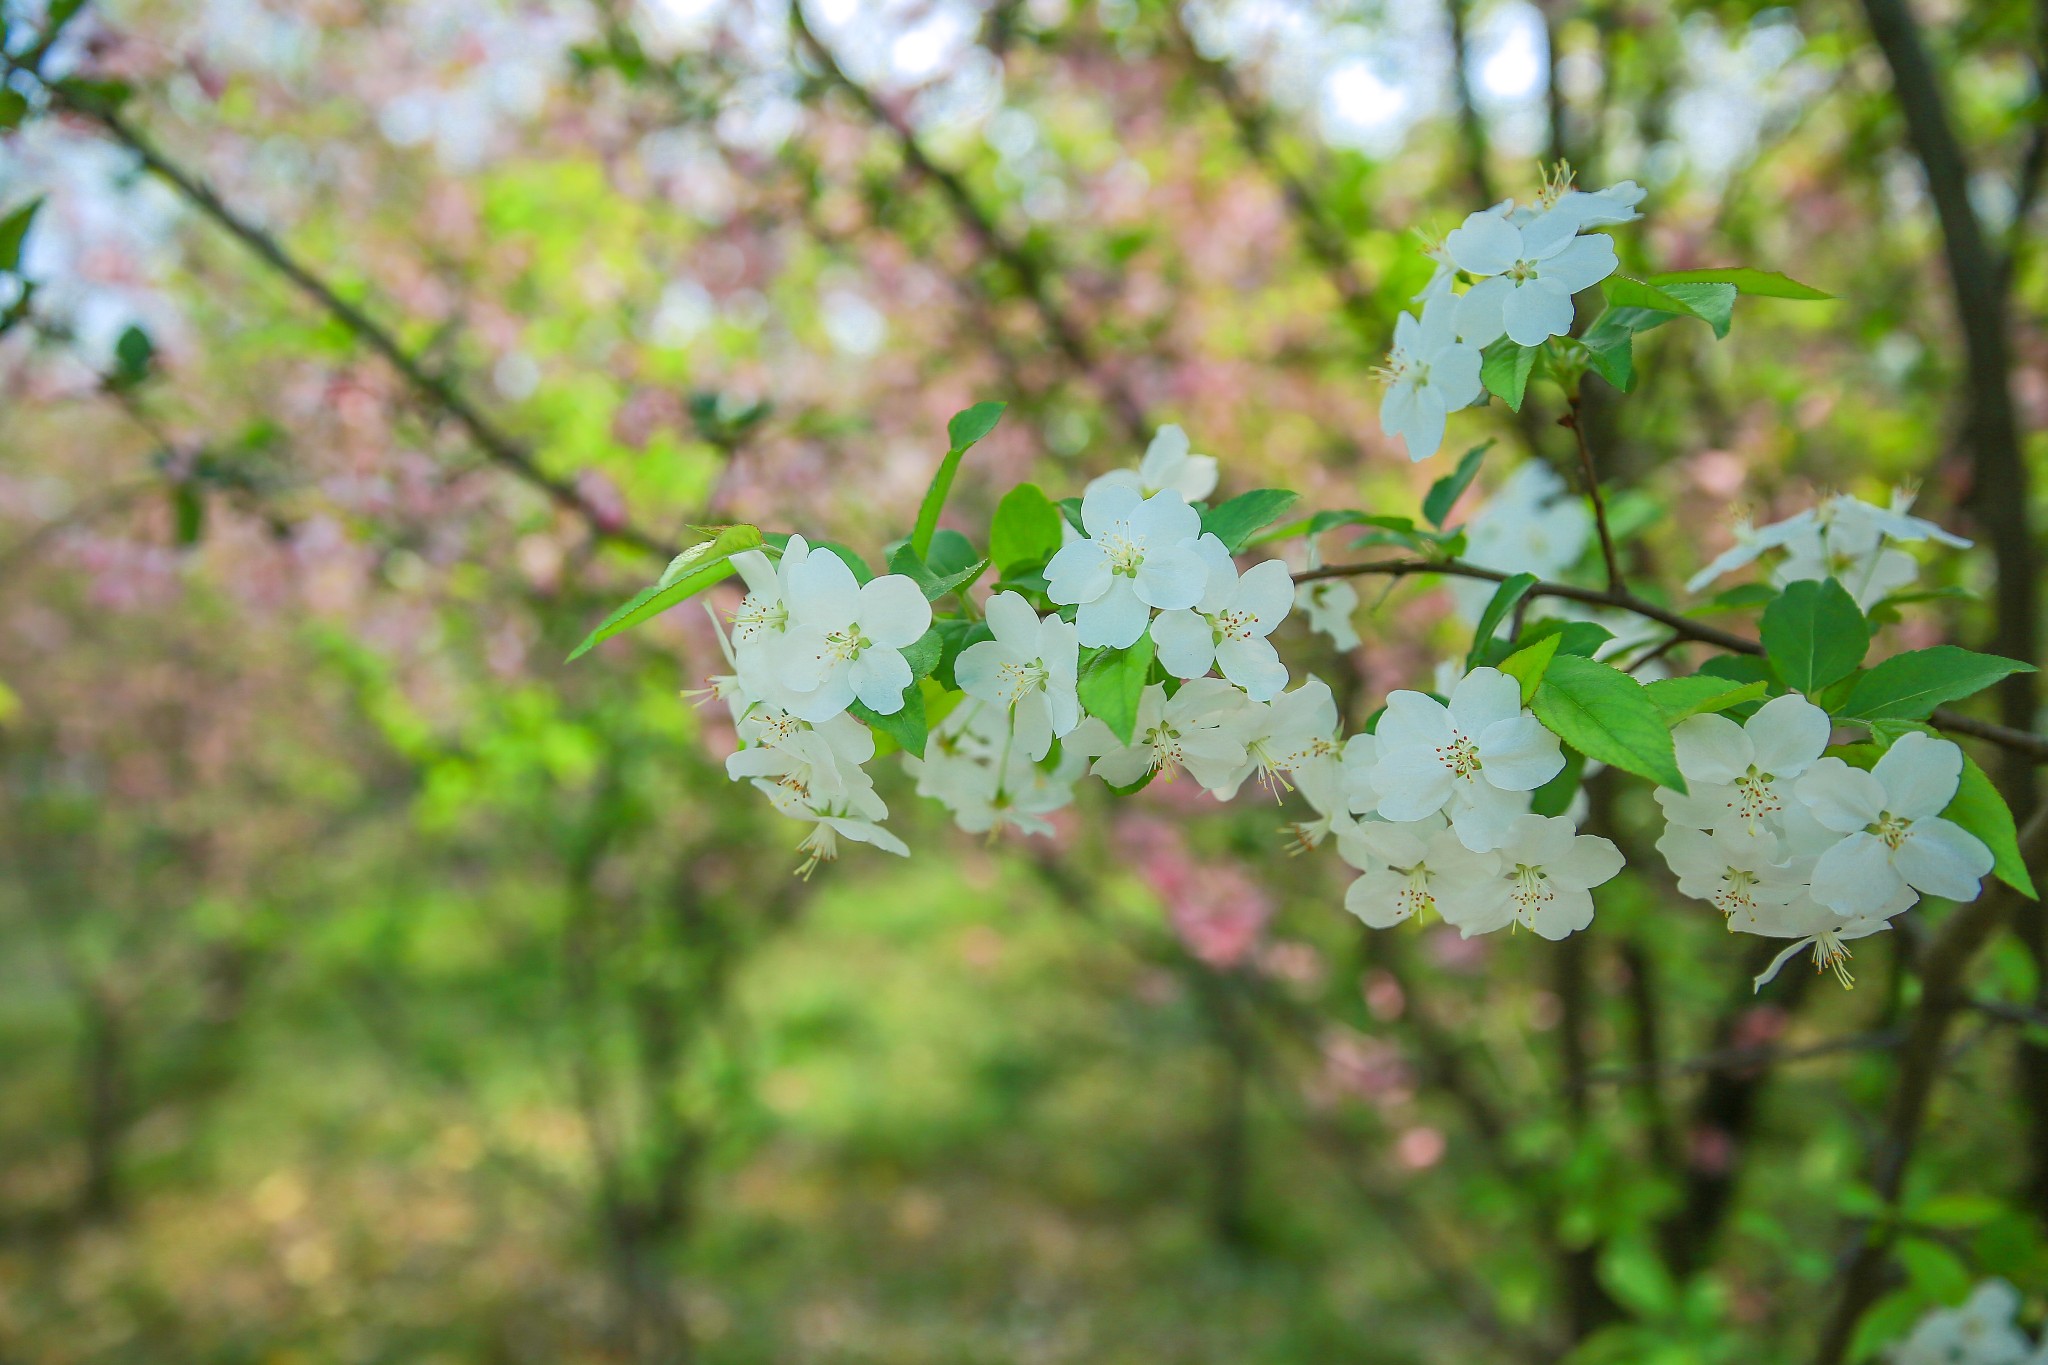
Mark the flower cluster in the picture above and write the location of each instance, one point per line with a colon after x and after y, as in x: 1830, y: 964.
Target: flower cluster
x: 808, y: 640
x: 1129, y: 637
x: 1447, y: 788
x: 1842, y: 538
x: 1979, y: 1332
x: 1789, y: 843
x: 1522, y: 264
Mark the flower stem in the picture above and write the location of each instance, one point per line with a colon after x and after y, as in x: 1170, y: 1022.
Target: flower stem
x: 1574, y: 419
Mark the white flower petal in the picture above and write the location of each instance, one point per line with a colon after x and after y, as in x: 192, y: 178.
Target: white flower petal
x: 1116, y: 619
x: 1843, y: 798
x: 1713, y: 748
x: 1942, y: 858
x: 1172, y: 576
x: 1518, y: 754
x: 1787, y: 734
x: 1537, y: 310
x: 1856, y: 875
x: 1484, y: 244
x: 1185, y: 645
x: 893, y: 610
x: 1104, y: 505
x: 1920, y: 774
x: 1253, y: 665
x: 1582, y: 263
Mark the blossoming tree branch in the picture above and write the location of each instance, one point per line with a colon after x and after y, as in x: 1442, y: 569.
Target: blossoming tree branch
x: 1125, y: 635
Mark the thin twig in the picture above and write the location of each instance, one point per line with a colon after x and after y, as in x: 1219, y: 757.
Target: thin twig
x: 1574, y: 419
x: 437, y: 391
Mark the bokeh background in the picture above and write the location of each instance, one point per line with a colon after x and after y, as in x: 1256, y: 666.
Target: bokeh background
x: 376, y: 988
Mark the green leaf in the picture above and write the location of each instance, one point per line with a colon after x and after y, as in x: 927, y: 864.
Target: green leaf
x: 1814, y: 634
x: 692, y: 571
x: 969, y: 426
x: 1610, y: 348
x: 188, y: 508
x: 13, y: 230
x: 1606, y: 715
x: 1909, y: 686
x: 94, y: 96
x: 1713, y: 304
x: 1741, y: 668
x: 1582, y: 638
x: 1444, y: 493
x: 1698, y: 695
x: 1741, y: 597
x: 133, y: 354
x: 13, y: 109
x: 933, y: 585
x: 906, y: 725
x: 964, y: 430
x: 1504, y: 369
x: 1764, y: 284
x: 1498, y: 606
x: 1979, y: 809
x: 925, y: 653
x: 1026, y: 531
x: 950, y: 553
x: 1635, y: 1275
x: 1233, y: 522
x: 1623, y: 292
x: 1111, y: 684
x: 1528, y: 665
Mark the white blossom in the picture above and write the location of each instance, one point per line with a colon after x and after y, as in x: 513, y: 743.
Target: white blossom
x: 1547, y: 872
x: 1138, y: 554
x: 1408, y: 868
x: 1600, y: 208
x: 1814, y: 926
x: 1979, y: 1332
x: 1293, y: 729
x: 1841, y: 537
x: 1029, y: 668
x: 1733, y: 871
x: 1329, y: 604
x: 973, y: 766
x: 846, y: 638
x: 1895, y: 834
x: 1430, y: 374
x: 1167, y: 465
x: 1481, y: 745
x: 818, y: 765
x: 1201, y: 730
x: 1742, y: 774
x: 1527, y: 274
x: 1227, y: 628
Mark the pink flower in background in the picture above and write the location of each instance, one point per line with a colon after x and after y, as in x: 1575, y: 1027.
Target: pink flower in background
x: 1368, y: 1070
x: 1220, y: 914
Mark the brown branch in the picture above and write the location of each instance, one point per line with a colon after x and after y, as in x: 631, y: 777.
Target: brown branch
x: 436, y: 391
x: 1998, y: 496
x: 2033, y: 746
x: 1922, y: 1060
x: 1014, y: 256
